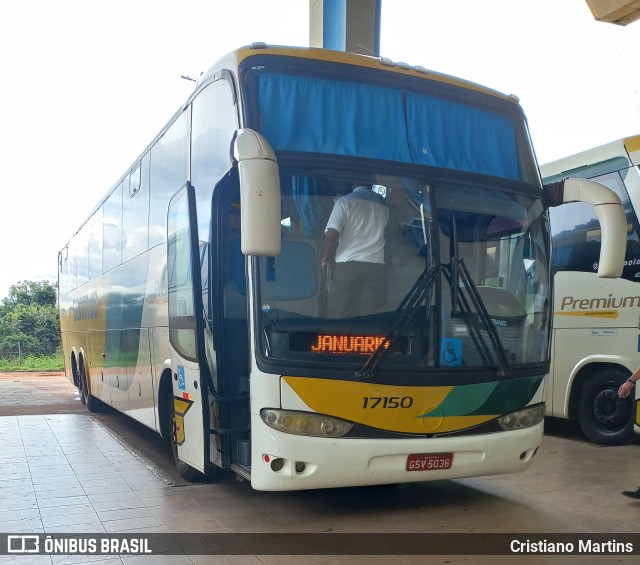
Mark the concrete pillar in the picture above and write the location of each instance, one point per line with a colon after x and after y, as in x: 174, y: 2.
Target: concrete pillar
x: 345, y: 25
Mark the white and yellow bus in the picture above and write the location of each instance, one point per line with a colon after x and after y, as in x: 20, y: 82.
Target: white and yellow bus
x: 596, y: 336
x: 193, y: 299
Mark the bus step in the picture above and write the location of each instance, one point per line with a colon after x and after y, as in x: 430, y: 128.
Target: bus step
x: 241, y: 471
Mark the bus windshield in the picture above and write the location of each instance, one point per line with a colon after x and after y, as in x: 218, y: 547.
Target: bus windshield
x: 441, y: 244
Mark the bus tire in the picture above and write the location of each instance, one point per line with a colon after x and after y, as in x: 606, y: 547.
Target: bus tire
x: 186, y: 471
x: 605, y: 418
x: 81, y: 384
x: 90, y: 401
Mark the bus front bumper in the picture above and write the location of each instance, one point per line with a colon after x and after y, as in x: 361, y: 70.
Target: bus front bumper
x: 283, y: 461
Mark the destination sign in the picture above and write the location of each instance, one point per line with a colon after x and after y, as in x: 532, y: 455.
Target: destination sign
x: 341, y: 344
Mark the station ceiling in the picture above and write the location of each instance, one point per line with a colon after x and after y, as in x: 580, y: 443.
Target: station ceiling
x: 621, y: 12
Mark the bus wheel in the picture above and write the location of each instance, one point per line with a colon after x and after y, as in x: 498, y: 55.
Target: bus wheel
x: 604, y: 417
x: 186, y: 471
x: 92, y: 403
x: 81, y: 384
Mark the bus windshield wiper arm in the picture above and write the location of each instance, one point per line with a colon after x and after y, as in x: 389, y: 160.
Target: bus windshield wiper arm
x: 402, y: 316
x: 470, y: 285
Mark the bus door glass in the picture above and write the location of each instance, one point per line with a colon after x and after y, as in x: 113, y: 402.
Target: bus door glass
x: 186, y: 329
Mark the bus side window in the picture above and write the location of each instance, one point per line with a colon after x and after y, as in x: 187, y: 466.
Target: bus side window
x: 112, y: 230
x: 135, y: 211
x: 94, y: 226
x: 213, y: 124
x: 169, y: 158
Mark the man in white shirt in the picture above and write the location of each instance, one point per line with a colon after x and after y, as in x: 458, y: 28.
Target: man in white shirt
x: 354, y: 252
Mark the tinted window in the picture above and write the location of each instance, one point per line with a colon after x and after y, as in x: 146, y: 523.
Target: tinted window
x: 94, y: 232
x: 112, y: 230
x: 167, y: 174
x: 72, y: 264
x: 213, y: 124
x: 135, y: 213
x: 576, y: 231
x: 81, y: 255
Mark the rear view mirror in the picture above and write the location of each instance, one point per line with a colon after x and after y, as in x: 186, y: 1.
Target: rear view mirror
x: 610, y: 213
x: 259, y: 194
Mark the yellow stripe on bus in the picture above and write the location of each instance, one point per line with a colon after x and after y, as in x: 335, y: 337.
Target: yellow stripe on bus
x: 385, y: 407
x: 612, y: 314
x: 632, y: 143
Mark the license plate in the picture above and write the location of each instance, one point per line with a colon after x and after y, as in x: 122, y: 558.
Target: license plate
x: 429, y: 461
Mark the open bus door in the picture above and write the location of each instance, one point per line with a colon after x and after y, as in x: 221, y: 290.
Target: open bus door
x: 186, y: 335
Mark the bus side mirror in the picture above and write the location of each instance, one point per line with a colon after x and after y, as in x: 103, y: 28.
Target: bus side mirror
x: 259, y: 194
x: 610, y: 213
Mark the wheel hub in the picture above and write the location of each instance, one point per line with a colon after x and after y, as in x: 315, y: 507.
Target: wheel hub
x: 609, y: 410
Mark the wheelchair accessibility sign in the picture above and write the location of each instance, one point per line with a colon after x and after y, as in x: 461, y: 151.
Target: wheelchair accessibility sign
x: 451, y: 352
x: 182, y: 385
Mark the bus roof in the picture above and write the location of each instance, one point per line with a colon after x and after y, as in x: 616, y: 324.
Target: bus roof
x: 235, y: 58
x: 632, y: 145
x: 627, y: 148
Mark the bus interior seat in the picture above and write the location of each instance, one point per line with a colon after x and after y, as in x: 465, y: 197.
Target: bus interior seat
x: 291, y: 279
x: 403, y: 267
x: 235, y: 286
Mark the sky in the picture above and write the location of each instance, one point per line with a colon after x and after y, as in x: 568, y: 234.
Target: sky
x: 86, y: 84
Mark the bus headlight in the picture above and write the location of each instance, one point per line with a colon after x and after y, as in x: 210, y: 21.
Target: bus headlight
x: 305, y: 423
x: 524, y: 418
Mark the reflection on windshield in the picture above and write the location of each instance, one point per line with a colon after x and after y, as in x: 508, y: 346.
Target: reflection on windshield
x: 353, y: 250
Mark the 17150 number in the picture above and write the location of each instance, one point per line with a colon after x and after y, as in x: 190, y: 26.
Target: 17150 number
x: 389, y: 402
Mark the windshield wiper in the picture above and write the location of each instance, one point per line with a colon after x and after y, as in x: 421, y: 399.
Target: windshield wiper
x: 407, y: 309
x: 462, y: 271
x: 401, y: 319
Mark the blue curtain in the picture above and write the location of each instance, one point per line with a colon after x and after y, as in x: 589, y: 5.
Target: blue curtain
x: 328, y: 116
x: 348, y: 118
x: 454, y: 136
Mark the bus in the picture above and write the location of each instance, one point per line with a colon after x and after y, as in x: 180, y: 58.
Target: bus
x: 192, y: 298
x: 596, y: 342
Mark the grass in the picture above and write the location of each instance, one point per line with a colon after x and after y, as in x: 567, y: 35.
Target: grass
x: 33, y: 363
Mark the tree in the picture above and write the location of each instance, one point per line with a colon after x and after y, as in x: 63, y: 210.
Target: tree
x: 42, y: 293
x: 29, y: 317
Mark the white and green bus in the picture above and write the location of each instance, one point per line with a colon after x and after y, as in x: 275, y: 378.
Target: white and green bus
x: 596, y: 336
x: 192, y: 297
